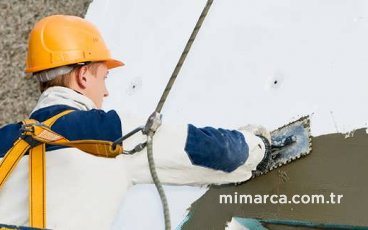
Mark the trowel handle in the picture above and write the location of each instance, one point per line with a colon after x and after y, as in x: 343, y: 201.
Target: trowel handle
x: 284, y: 142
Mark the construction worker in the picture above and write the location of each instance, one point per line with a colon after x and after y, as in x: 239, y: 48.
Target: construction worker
x: 71, y: 61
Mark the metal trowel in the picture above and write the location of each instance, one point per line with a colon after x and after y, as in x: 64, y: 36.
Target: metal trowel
x: 288, y: 143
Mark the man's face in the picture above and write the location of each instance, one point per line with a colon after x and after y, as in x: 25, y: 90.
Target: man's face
x: 96, y: 88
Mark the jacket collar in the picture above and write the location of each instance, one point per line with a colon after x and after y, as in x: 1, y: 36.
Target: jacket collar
x: 64, y: 96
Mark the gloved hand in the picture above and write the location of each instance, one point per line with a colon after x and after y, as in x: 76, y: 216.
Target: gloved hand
x: 257, y: 130
x: 265, y: 135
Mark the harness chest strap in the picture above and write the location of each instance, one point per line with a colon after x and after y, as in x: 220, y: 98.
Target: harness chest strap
x: 34, y: 138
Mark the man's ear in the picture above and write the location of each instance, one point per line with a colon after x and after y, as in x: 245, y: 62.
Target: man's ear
x: 81, y: 77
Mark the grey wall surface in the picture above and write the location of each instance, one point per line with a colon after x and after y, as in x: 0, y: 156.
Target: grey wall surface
x: 18, y: 95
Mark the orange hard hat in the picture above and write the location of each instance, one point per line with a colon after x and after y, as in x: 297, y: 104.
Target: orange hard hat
x: 61, y: 40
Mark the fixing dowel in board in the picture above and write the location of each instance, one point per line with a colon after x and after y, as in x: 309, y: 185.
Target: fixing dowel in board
x: 134, y: 86
x: 275, y: 81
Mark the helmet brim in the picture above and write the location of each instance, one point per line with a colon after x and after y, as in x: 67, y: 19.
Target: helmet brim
x: 113, y: 63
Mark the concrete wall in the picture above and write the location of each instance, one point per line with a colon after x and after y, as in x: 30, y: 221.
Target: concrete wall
x: 17, y: 94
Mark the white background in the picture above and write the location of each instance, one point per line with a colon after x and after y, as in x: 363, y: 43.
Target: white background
x: 316, y: 50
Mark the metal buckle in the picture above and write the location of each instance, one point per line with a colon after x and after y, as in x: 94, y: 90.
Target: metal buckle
x: 27, y: 128
x: 30, y: 127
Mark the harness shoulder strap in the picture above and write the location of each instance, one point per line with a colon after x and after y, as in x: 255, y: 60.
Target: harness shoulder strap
x: 12, y: 158
x: 37, y: 178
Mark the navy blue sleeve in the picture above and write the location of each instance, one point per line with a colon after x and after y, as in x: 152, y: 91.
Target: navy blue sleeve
x: 78, y: 125
x: 218, y: 149
x: 8, y: 135
x: 89, y: 125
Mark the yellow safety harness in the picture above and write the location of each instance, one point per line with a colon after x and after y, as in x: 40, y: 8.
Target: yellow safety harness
x: 34, y: 138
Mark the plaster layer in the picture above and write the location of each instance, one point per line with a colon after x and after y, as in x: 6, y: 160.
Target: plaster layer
x: 336, y: 164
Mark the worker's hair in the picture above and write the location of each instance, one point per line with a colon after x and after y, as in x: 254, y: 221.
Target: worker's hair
x: 61, y: 76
